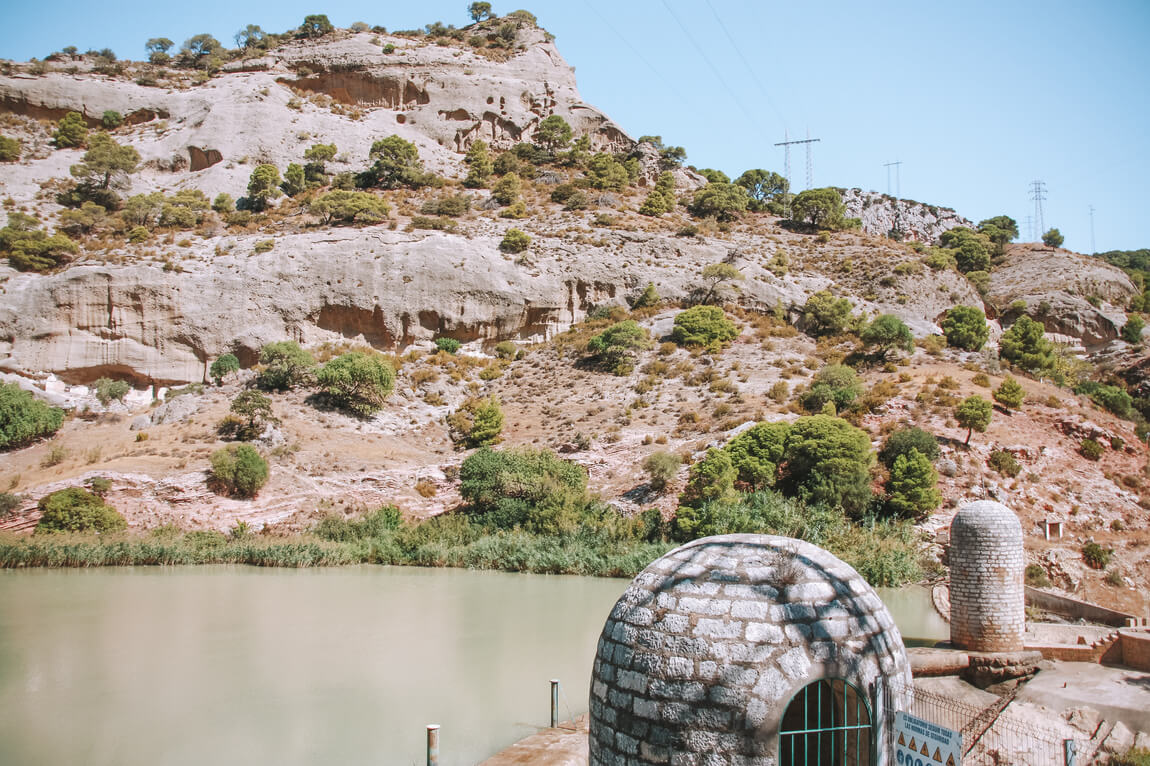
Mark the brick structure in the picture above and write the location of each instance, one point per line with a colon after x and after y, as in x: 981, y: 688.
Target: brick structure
x: 702, y: 654
x: 987, y: 596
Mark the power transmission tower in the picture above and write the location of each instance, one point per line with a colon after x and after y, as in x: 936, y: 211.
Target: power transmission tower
x: 786, y: 143
x: 1030, y: 228
x: 1093, y: 249
x: 1038, y: 194
x: 897, y: 165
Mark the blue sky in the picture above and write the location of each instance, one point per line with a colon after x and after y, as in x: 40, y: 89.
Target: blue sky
x: 977, y: 99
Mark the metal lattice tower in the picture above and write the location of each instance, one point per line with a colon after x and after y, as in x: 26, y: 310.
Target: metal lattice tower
x: 1038, y: 194
x: 1030, y: 228
x: 786, y: 143
x: 897, y: 165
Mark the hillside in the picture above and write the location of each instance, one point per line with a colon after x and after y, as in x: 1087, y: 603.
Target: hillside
x: 155, y: 303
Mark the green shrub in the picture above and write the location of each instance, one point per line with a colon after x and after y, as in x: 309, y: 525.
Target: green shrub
x: 357, y: 382
x: 1132, y: 330
x: 452, y: 206
x: 523, y: 487
x: 222, y: 367
x: 1004, y: 462
x: 835, y: 383
x: 756, y: 454
x: 285, y: 365
x: 702, y: 326
x: 722, y: 201
x: 515, y: 241
x: 108, y: 390
x: 250, y: 411
x: 77, y: 510
x: 971, y: 249
x: 346, y: 206
x: 911, y: 492
x: 239, y: 470
x: 904, y: 440
x: 506, y: 349
x: 1026, y: 345
x: 23, y: 418
x: 372, y: 524
x: 661, y: 467
x: 450, y: 345
x: 648, y: 298
x: 1091, y: 450
x: 9, y: 503
x: 1010, y: 394
x: 1114, y: 577
x: 825, y: 314
x: 1036, y: 576
x: 71, y: 131
x: 1095, y: 556
x: 965, y: 328
x: 615, y: 348
x: 827, y: 460
x: 10, y: 149
x: 886, y: 333
x: 111, y: 119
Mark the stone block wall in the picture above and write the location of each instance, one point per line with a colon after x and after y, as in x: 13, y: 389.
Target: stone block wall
x: 987, y: 597
x: 701, y: 655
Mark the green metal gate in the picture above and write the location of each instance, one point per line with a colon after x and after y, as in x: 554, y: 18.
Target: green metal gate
x: 827, y: 723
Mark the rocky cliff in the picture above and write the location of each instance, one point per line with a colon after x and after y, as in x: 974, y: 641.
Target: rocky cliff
x: 918, y: 222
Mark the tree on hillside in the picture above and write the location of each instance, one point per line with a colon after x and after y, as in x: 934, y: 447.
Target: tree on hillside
x: 1025, y: 344
x: 106, y: 164
x: 553, y: 133
x: 397, y: 164
x: 715, y: 275
x: 315, y: 25
x: 157, y: 48
x: 763, y: 187
x: 615, y: 347
x: 1010, y: 393
x: 479, y: 11
x: 973, y: 413
x: 71, y: 131
x: 222, y: 367
x: 1053, y: 238
x: 714, y: 176
x: 971, y: 249
x: 1000, y: 229
x: 24, y: 418
x: 825, y: 314
x: 965, y: 328
x: 827, y: 460
x: 479, y: 165
x: 197, y: 49
x: 722, y: 201
x: 263, y: 186
x: 285, y: 365
x: 250, y: 36
x: 358, y: 382
x: 888, y: 332
x: 911, y: 492
x: 821, y: 208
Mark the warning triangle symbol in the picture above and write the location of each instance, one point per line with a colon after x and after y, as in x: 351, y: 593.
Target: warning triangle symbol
x: 913, y: 745
x: 925, y: 750
x: 937, y: 755
x: 950, y: 760
x: 902, y: 739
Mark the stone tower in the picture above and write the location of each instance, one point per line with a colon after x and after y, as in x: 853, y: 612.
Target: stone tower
x: 729, y: 649
x: 987, y: 600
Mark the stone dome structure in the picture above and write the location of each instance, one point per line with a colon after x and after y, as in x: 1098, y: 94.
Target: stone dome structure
x: 987, y: 564
x: 721, y: 647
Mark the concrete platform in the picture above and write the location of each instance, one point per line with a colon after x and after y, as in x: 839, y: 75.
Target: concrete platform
x: 1119, y: 694
x: 563, y: 746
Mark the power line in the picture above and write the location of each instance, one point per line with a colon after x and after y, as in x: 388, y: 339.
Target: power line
x: 747, y: 64
x: 714, y: 70
x: 1038, y: 194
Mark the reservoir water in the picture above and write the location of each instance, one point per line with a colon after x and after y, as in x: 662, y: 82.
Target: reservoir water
x: 239, y: 665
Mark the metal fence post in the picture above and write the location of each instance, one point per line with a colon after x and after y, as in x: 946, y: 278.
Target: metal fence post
x: 554, y: 702
x: 432, y: 744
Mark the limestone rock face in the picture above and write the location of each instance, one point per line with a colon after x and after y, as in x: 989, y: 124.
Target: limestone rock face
x: 881, y: 214
x: 1056, y: 286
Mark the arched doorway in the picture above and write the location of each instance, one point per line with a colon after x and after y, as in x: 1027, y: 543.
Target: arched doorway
x: 827, y: 723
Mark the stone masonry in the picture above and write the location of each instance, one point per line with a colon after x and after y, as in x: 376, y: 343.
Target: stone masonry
x: 701, y: 655
x: 987, y: 597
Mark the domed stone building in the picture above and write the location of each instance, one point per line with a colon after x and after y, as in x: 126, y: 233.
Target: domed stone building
x: 745, y: 649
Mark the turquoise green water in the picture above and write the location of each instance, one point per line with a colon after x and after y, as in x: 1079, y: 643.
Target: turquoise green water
x: 239, y: 665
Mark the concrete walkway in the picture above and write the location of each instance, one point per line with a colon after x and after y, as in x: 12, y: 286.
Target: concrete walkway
x: 1119, y: 694
x: 564, y: 746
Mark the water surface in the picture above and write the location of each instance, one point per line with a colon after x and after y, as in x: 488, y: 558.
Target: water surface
x: 239, y: 665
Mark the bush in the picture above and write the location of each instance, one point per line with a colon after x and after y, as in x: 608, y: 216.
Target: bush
x: 452, y: 206
x: 702, y: 326
x: 9, y: 503
x: 523, y: 487
x: 722, y: 201
x: 1053, y: 238
x: 834, y: 383
x: 111, y: 119
x: 607, y: 173
x: 973, y: 413
x: 71, y: 131
x: 1091, y: 449
x: 23, y: 418
x: 1010, y: 394
x: 251, y: 411
x: 1036, y: 576
x: 662, y: 198
x: 1132, y: 330
x: 965, y: 328
x: 506, y: 191
x: 971, y: 249
x: 1025, y: 344
x: 615, y: 348
x: 821, y: 208
x: 515, y: 241
x: 357, y: 382
x: 108, y: 390
x: 1095, y: 556
x: 263, y: 186
x: 825, y: 314
x: 911, y: 492
x: 827, y: 460
x: 505, y: 349
x: 77, y: 510
x: 239, y: 470
x: 347, y: 206
x: 9, y: 149
x: 888, y: 332
x: 661, y: 467
x: 478, y: 422
x: 1004, y: 462
x: 286, y: 365
x: 372, y: 524
x: 450, y: 345
x: 904, y: 440
x: 222, y: 367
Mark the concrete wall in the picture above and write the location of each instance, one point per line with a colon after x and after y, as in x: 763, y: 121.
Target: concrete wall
x: 1073, y: 609
x: 1135, y: 648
